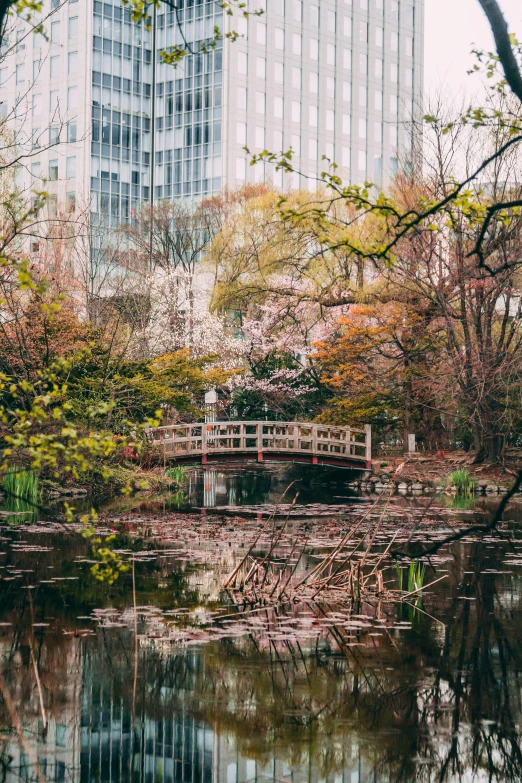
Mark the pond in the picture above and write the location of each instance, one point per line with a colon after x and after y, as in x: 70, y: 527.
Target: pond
x: 218, y: 487
x: 160, y: 677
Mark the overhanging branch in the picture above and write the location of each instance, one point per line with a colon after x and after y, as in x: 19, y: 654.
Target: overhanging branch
x: 503, y: 45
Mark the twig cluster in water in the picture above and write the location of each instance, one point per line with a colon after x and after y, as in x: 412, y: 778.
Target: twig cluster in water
x: 348, y: 572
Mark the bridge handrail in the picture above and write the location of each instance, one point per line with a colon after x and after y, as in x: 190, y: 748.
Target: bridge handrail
x: 294, y: 437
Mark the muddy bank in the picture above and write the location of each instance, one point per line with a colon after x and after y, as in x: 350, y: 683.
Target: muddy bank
x: 431, y: 473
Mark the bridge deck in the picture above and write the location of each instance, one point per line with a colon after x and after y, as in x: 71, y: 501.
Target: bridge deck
x: 224, y: 441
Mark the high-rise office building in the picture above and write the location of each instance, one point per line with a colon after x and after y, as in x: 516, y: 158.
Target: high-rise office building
x: 340, y: 78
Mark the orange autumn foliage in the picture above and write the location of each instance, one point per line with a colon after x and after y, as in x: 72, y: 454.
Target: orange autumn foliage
x: 377, y: 358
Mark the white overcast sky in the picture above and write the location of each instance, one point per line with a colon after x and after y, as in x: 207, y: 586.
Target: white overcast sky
x: 452, y: 28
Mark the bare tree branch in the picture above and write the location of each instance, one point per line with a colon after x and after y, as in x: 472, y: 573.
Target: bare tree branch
x: 466, y: 531
x: 503, y: 45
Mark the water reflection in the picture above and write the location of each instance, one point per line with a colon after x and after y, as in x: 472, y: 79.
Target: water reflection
x: 369, y: 699
x: 215, y: 486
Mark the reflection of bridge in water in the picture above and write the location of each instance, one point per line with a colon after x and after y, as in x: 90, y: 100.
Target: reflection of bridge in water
x: 233, y: 441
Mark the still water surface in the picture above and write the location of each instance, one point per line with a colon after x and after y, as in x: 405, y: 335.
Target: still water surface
x: 431, y: 693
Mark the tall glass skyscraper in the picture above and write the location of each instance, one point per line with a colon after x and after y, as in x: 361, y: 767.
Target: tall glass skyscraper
x: 340, y: 78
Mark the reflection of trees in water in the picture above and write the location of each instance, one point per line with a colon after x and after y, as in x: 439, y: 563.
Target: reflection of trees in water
x: 434, y: 706
x: 475, y: 692
x: 436, y: 703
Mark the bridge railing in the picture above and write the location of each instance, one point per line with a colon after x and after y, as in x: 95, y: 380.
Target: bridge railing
x: 264, y: 437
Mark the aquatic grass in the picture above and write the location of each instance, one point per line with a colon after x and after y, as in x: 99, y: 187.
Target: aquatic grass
x: 177, y: 474
x: 22, y: 490
x: 400, y: 575
x: 414, y: 579
x: 416, y: 574
x: 22, y: 484
x: 463, y: 482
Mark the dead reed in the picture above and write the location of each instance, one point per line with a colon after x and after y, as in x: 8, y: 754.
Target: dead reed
x: 352, y: 570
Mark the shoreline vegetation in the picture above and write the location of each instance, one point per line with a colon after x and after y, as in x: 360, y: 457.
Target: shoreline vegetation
x: 401, y: 474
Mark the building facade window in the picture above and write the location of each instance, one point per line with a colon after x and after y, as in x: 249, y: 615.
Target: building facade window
x: 54, y: 67
x: 72, y: 63
x: 53, y: 170
x: 72, y: 98
x: 242, y: 98
x: 260, y: 138
x: 241, y: 133
x: 70, y: 167
x: 73, y: 27
x: 330, y: 54
x: 241, y: 169
x: 330, y: 120
x: 260, y: 102
x: 70, y: 201
x: 242, y: 63
x: 330, y: 87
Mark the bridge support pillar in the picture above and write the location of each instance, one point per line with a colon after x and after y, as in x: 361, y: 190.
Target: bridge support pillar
x: 260, y: 456
x: 315, y: 460
x: 203, y: 459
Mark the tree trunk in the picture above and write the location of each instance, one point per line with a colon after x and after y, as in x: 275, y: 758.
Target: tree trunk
x: 489, y: 447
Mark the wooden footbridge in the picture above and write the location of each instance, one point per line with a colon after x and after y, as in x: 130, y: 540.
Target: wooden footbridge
x: 237, y: 441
